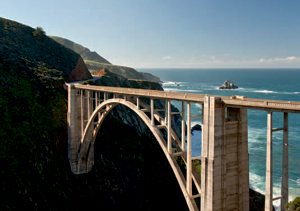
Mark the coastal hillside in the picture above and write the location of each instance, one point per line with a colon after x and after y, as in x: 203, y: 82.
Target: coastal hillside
x: 85, y: 53
x: 23, y: 44
x: 95, y: 62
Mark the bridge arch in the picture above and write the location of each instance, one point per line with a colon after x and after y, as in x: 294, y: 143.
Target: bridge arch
x: 86, y: 149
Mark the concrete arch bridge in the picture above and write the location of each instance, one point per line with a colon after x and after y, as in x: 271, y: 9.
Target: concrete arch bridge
x: 224, y: 180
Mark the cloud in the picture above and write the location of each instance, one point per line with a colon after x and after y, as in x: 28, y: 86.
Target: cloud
x: 167, y: 57
x: 287, y: 59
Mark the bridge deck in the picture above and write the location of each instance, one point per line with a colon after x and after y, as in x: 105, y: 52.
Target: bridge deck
x: 271, y: 105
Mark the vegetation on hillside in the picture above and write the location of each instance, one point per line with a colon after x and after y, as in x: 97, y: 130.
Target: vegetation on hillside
x: 20, y: 43
x: 293, y: 205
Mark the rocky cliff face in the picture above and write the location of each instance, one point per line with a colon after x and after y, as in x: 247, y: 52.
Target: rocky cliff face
x: 127, y: 72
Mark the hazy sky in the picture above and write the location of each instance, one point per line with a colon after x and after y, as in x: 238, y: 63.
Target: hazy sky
x: 172, y: 33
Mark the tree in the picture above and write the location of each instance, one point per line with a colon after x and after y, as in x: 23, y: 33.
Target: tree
x: 39, y: 33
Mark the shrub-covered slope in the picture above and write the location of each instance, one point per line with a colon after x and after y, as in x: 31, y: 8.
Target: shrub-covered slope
x: 23, y: 43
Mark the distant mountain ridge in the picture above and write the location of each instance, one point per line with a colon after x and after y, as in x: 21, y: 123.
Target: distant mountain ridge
x: 95, y: 62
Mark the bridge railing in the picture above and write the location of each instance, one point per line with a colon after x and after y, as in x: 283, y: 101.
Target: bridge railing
x: 239, y: 101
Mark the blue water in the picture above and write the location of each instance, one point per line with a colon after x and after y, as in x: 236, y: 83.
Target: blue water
x: 274, y: 84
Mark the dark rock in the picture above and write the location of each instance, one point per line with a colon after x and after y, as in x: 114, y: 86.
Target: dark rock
x: 228, y: 85
x: 256, y: 201
x: 196, y: 127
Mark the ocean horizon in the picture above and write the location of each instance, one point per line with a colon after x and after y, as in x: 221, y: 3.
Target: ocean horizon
x: 270, y: 84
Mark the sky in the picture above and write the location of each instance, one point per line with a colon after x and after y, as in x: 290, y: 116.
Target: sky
x: 172, y: 33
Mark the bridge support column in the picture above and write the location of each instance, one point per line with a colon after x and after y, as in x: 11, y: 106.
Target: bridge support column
x: 72, y: 128
x: 236, y: 160
x: 225, y: 171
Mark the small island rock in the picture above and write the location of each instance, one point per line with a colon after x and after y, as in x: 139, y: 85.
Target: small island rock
x: 228, y: 85
x: 196, y: 127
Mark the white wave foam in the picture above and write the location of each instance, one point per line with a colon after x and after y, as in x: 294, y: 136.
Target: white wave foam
x: 171, y: 89
x: 170, y: 83
x: 265, y: 91
x: 192, y: 90
x: 181, y: 90
x: 198, y: 105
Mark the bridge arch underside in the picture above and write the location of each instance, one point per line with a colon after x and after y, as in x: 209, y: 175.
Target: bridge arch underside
x: 86, y: 147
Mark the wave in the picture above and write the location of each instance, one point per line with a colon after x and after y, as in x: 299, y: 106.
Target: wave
x: 192, y: 90
x: 266, y: 91
x: 181, y: 90
x: 171, y: 89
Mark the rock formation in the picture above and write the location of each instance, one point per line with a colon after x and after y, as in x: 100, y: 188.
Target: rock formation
x: 228, y: 85
x: 196, y: 127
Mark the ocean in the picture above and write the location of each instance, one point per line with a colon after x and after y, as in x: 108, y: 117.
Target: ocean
x: 272, y: 84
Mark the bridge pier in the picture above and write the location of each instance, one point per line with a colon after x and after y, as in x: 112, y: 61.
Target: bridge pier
x: 73, y: 136
x: 225, y: 171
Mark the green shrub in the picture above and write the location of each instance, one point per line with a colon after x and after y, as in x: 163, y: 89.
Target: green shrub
x: 293, y: 205
x: 39, y: 33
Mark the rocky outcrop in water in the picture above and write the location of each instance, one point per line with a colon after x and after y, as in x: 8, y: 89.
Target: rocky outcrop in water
x: 196, y: 127
x: 228, y: 85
